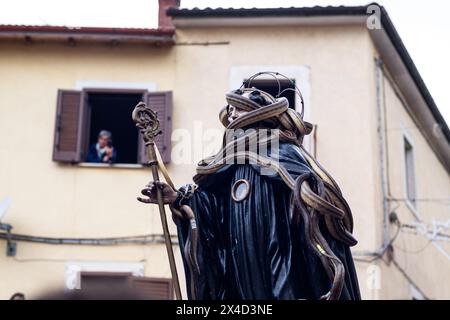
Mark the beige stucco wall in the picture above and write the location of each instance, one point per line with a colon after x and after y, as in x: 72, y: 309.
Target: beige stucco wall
x: 71, y: 201
x: 420, y: 258
x: 342, y: 96
x: 56, y: 200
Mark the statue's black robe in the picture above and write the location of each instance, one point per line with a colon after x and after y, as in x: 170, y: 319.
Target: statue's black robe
x: 250, y: 249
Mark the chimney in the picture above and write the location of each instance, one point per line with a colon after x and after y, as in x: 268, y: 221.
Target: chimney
x: 165, y: 21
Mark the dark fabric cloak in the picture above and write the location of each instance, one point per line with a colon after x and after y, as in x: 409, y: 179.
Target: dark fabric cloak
x: 251, y: 249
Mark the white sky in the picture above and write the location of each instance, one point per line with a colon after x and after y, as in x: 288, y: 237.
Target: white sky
x: 423, y: 25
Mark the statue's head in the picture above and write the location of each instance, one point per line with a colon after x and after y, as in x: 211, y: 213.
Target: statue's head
x: 250, y: 107
x: 234, y: 111
x: 242, y: 101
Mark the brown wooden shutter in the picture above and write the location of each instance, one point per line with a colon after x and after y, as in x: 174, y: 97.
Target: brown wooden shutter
x: 153, y: 288
x: 69, y: 127
x: 123, y: 282
x: 105, y: 280
x: 161, y: 103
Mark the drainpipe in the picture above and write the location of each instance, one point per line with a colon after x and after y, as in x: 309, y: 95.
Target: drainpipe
x: 381, y: 137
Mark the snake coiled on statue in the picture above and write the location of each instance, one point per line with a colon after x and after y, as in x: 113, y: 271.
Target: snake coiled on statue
x: 314, y: 194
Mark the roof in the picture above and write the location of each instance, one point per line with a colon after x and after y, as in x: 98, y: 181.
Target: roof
x: 45, y: 32
x: 264, y: 12
x: 330, y: 11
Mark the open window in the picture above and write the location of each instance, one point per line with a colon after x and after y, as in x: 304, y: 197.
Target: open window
x: 271, y: 86
x: 81, y: 115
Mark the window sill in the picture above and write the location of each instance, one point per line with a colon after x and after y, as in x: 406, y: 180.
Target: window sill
x: 115, y: 165
x: 413, y: 209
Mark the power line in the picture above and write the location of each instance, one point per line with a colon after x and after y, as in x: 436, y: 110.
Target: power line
x: 378, y: 254
x: 407, y: 277
x: 414, y: 251
x: 136, y: 240
x: 435, y: 233
x: 55, y: 260
x: 439, y: 200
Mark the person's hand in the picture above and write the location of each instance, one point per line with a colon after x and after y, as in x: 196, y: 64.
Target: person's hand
x: 169, y: 195
x: 109, y: 151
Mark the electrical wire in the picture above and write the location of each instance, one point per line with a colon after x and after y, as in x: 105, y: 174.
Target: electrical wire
x: 378, y: 254
x: 136, y: 240
x: 413, y: 251
x: 27, y: 260
x: 409, y: 279
x: 413, y: 230
x: 438, y: 200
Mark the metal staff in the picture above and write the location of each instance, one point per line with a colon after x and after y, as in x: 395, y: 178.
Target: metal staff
x: 147, y: 122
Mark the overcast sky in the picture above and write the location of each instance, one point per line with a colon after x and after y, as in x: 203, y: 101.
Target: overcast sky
x: 423, y: 25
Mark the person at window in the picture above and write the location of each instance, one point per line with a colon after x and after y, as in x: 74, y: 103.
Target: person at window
x: 102, y: 151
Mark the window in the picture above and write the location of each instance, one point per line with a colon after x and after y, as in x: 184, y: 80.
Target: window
x: 410, y: 176
x: 144, y: 287
x: 271, y: 86
x: 82, y: 114
x: 111, y: 111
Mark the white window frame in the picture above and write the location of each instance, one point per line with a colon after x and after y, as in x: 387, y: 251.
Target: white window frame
x: 100, y: 84
x: 103, y: 84
x: 301, y: 75
x: 407, y: 137
x: 72, y: 275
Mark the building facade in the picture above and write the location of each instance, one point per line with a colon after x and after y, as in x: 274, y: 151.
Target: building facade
x: 377, y: 132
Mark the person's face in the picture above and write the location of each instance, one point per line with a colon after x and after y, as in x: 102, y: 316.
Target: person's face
x: 234, y: 113
x: 103, y: 141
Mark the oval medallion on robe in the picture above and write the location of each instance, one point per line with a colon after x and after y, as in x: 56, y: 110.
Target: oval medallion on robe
x: 240, y: 190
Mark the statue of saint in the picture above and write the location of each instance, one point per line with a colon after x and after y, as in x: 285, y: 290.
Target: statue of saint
x: 264, y: 222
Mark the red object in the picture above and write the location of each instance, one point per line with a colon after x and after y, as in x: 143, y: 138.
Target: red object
x: 164, y: 21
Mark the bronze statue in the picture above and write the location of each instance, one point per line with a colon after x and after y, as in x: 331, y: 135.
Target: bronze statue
x: 262, y: 225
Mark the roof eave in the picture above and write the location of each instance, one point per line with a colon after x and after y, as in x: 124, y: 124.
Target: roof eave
x: 87, y: 35
x: 266, y: 12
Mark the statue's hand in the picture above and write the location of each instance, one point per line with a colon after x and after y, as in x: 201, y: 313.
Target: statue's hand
x: 169, y: 195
